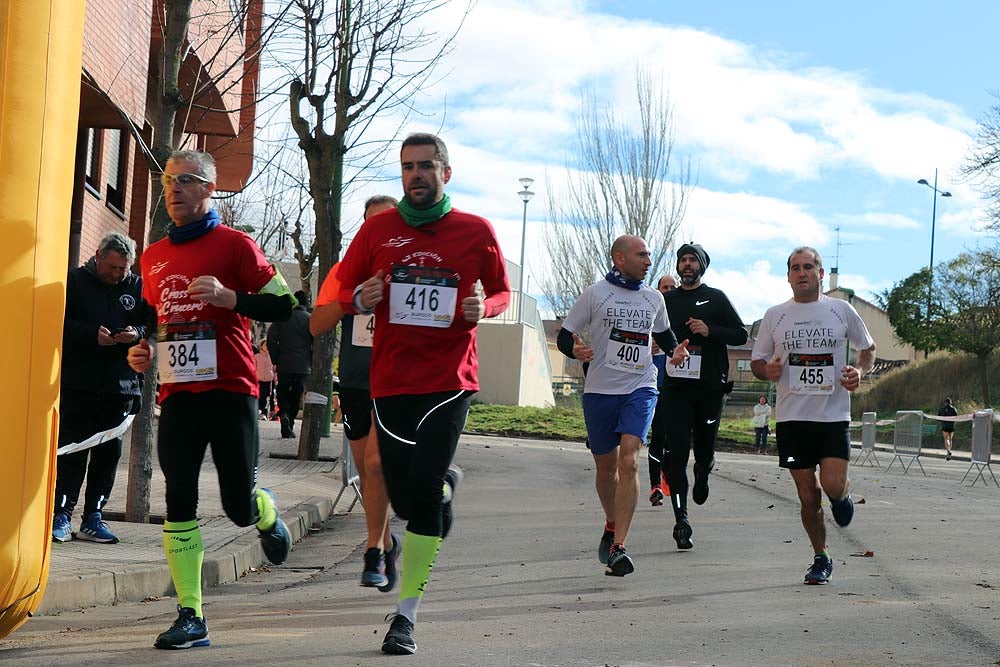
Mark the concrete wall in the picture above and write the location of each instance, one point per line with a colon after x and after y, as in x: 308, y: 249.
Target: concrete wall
x: 512, y: 370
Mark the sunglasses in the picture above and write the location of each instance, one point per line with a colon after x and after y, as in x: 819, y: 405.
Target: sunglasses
x: 183, y: 179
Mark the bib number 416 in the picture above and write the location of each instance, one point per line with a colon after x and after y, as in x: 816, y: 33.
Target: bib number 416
x: 421, y: 298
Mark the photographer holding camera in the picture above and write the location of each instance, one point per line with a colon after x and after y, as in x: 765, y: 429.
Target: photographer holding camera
x: 105, y: 315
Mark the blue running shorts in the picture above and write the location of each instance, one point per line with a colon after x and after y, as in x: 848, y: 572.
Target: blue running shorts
x: 609, y: 416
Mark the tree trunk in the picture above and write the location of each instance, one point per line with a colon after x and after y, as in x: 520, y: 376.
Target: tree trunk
x: 325, y: 183
x: 178, y: 16
x: 140, y: 463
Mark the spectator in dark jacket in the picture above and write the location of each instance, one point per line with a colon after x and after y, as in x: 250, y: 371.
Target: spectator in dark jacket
x: 290, y: 346
x: 105, y: 315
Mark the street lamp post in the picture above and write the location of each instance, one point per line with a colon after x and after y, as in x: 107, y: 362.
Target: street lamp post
x: 930, y: 282
x: 526, y: 196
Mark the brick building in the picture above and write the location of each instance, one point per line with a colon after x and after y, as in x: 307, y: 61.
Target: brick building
x: 122, y: 60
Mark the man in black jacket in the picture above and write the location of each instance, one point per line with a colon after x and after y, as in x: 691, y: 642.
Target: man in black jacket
x: 290, y: 346
x: 105, y: 315
x: 705, y: 319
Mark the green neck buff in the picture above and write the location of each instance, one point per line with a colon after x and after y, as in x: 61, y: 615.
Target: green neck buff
x: 415, y: 217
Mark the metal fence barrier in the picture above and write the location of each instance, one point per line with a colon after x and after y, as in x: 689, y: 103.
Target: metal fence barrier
x: 867, y: 452
x: 907, y: 437
x: 349, y: 476
x: 982, y: 436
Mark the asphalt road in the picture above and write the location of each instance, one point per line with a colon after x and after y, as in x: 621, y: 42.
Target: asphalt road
x: 518, y: 582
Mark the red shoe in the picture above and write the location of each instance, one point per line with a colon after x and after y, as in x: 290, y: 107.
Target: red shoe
x: 655, y: 496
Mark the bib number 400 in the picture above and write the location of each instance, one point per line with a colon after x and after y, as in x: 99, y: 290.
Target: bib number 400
x: 180, y: 355
x: 422, y: 299
x: 628, y: 353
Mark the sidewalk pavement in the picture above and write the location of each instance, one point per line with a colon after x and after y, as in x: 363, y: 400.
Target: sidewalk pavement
x: 87, y: 574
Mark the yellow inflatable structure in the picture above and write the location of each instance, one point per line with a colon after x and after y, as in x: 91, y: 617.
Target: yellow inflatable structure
x: 41, y: 42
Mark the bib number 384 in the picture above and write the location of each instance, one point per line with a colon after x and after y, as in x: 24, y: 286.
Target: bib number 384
x: 422, y: 296
x: 811, y: 374
x: 185, y: 352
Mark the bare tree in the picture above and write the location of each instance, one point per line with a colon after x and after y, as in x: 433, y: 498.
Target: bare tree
x: 357, y: 60
x: 982, y: 165
x: 624, y: 181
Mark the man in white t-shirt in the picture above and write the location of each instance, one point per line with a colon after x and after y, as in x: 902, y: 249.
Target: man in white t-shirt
x: 623, y: 316
x: 802, y: 346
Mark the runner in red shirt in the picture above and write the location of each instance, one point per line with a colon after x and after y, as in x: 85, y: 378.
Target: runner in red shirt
x: 416, y: 267
x: 206, y: 282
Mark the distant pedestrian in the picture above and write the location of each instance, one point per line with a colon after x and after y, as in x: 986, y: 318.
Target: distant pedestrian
x: 761, y: 423
x: 105, y: 315
x: 290, y: 346
x: 265, y: 380
x: 802, y: 346
x: 947, y: 427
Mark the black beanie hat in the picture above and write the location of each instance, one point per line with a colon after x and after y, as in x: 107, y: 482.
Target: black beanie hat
x: 697, y: 251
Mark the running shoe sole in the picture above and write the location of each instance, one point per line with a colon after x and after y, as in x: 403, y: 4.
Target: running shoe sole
x: 619, y: 565
x: 682, y: 535
x: 842, y: 510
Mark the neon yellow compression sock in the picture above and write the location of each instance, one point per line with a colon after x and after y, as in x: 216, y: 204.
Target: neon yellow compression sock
x: 185, y: 552
x: 266, y: 510
x: 419, y: 554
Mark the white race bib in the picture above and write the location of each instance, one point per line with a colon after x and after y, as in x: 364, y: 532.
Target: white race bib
x: 811, y: 374
x: 185, y: 352
x: 628, y: 351
x: 423, y: 296
x: 690, y: 368
x: 363, y: 331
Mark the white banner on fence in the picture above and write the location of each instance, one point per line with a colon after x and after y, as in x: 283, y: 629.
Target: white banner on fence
x: 97, y: 438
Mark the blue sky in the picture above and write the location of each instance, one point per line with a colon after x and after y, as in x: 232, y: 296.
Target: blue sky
x: 797, y: 117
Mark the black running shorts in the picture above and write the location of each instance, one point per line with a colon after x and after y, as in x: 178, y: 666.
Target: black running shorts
x: 356, y: 404
x: 802, y: 444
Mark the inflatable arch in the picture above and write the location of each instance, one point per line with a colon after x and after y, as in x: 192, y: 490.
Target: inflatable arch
x: 41, y: 42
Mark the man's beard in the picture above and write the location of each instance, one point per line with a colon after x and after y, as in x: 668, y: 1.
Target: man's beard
x: 690, y: 278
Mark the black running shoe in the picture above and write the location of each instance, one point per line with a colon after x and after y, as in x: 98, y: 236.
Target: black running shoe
x: 820, y: 571
x: 619, y: 562
x: 656, y: 497
x: 604, y: 547
x: 452, y: 478
x: 391, y: 568
x: 188, y: 631
x: 374, y: 573
x: 842, y: 510
x: 699, y: 492
x: 399, y: 639
x: 682, y: 534
x: 276, y: 540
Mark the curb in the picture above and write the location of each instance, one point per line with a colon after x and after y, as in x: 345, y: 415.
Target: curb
x: 135, y: 583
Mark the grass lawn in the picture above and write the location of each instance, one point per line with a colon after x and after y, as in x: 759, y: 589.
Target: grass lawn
x: 566, y: 423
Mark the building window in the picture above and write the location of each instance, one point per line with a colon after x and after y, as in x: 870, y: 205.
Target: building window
x: 92, y: 179
x: 118, y: 159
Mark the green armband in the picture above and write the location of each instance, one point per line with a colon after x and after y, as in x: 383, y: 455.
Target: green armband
x: 278, y: 287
